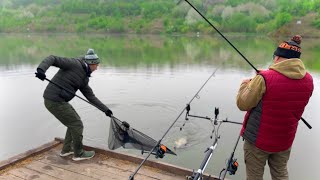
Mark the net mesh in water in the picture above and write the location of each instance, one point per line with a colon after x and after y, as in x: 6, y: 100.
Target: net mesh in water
x: 122, y: 135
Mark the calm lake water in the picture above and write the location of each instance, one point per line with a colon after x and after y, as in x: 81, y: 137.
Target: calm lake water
x: 147, y: 81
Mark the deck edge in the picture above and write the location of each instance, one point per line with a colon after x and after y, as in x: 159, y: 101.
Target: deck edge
x: 20, y: 157
x: 136, y: 159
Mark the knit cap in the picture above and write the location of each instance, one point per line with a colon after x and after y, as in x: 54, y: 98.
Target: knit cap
x: 289, y: 49
x: 91, y: 57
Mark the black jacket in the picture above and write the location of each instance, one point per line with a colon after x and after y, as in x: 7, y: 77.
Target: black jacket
x: 72, y: 75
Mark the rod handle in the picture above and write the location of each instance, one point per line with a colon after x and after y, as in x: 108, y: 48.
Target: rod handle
x: 306, y: 123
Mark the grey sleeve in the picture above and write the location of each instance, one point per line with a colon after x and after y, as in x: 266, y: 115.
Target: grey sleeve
x: 60, y: 62
x: 88, y: 93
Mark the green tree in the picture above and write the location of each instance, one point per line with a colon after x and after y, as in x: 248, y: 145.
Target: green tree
x: 282, y: 18
x: 240, y: 22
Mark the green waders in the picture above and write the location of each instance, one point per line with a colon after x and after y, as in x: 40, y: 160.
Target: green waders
x: 66, y: 114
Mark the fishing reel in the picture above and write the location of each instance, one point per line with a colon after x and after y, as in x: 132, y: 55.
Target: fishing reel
x: 159, y: 151
x: 201, y: 177
x: 233, y: 167
x: 192, y: 176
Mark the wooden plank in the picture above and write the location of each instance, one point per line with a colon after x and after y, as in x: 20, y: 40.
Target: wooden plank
x: 56, y: 172
x: 25, y: 173
x: 27, y: 154
x: 106, y: 165
x: 88, y: 168
x: 145, y: 170
x: 96, y: 167
x: 137, y: 160
x: 7, y: 176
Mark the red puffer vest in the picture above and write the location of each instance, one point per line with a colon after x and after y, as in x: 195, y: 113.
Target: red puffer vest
x: 272, y: 124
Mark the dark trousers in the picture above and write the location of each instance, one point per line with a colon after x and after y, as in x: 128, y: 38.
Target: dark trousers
x: 66, y: 114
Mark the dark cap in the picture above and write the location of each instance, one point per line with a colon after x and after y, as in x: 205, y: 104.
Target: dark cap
x: 289, y: 49
x: 91, y: 57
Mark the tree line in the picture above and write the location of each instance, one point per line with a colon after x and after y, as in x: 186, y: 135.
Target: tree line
x: 152, y: 16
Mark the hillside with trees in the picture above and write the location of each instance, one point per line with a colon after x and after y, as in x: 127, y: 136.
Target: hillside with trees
x: 159, y: 16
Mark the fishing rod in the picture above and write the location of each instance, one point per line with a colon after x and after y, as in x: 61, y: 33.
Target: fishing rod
x: 257, y: 71
x: 232, y: 164
x: 131, y: 177
x: 220, y: 34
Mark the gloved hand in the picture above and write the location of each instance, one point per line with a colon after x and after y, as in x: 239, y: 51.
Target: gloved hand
x: 40, y: 74
x: 109, y: 113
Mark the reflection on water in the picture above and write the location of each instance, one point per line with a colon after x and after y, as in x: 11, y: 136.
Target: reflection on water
x: 147, y: 51
x: 146, y: 81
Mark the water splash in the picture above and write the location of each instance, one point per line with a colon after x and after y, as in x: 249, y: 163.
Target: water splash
x: 181, y: 143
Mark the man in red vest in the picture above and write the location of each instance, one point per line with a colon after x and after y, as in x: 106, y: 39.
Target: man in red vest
x: 274, y: 100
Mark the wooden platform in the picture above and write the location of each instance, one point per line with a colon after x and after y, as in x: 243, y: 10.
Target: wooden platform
x: 45, y: 163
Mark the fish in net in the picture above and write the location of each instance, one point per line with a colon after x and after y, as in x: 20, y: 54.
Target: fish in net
x: 122, y: 135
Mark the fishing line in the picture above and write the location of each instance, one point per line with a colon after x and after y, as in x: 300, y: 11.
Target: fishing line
x: 221, y: 35
x: 195, y: 96
x: 135, y: 172
x: 257, y: 71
